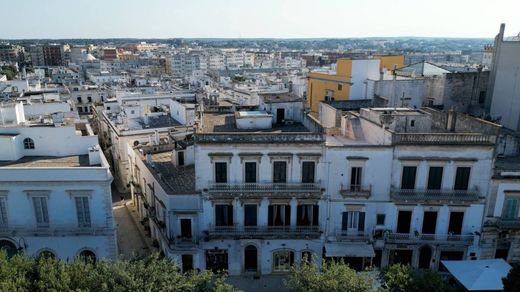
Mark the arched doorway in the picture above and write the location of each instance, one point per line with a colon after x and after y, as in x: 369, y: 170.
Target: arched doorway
x: 9, y: 247
x: 425, y: 257
x: 87, y: 255
x: 251, y: 258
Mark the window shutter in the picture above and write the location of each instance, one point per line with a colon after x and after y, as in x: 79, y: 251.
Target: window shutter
x: 270, y: 215
x: 361, y: 223
x: 287, y: 215
x: 315, y: 215
x: 344, y: 221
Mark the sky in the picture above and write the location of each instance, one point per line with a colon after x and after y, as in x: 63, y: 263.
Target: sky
x: 22, y: 19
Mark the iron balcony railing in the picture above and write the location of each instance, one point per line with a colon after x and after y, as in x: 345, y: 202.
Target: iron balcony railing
x: 354, y: 190
x: 414, y: 195
x: 508, y: 223
x: 264, y: 231
x: 443, y: 138
x: 263, y: 187
x: 345, y: 235
x: 14, y: 230
x: 438, y: 238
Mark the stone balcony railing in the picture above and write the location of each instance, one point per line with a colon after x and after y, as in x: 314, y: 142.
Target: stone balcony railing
x: 417, y: 196
x: 505, y: 223
x: 465, y: 239
x: 262, y: 189
x: 345, y: 235
x: 14, y: 230
x: 356, y: 191
x: 287, y: 232
x: 443, y: 139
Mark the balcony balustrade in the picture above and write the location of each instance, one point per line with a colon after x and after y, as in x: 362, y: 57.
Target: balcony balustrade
x: 356, y: 191
x: 265, y: 188
x: 465, y: 239
x: 61, y: 230
x: 508, y: 223
x: 288, y: 232
x: 414, y: 195
x: 344, y: 235
x: 443, y: 139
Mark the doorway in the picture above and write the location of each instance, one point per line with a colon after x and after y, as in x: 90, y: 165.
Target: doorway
x: 216, y: 260
x: 429, y: 223
x: 187, y: 262
x: 250, y: 259
x: 455, y: 225
x: 186, y: 228
x: 180, y: 154
x: 280, y: 115
x: 403, y: 221
x: 425, y: 257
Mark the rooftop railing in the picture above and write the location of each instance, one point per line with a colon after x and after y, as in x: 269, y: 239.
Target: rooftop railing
x: 443, y: 138
x: 254, y: 138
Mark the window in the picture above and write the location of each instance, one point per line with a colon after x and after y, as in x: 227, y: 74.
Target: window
x: 308, y: 168
x: 307, y: 215
x: 340, y: 87
x: 87, y: 256
x: 510, y: 208
x: 28, y: 143
x: 462, y: 178
x: 250, y: 169
x: 380, y: 219
x: 353, y: 221
x: 283, y: 260
x: 250, y: 215
x: 408, y: 179
x: 412, y: 123
x: 355, y: 178
x: 79, y: 99
x: 429, y: 222
x: 220, y: 172
x: 455, y: 224
x: 40, y: 211
x: 280, y: 172
x: 435, y: 177
x: 224, y: 215
x: 80, y: 109
x: 279, y: 215
x: 46, y: 254
x: 82, y: 211
x: 482, y: 97
x: 3, y: 212
x: 89, y: 98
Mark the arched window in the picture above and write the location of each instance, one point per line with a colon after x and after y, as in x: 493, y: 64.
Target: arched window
x: 9, y: 247
x: 87, y: 255
x: 46, y: 254
x: 28, y: 143
x: 283, y: 260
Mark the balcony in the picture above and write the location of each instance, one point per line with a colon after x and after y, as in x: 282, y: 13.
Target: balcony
x: 10, y: 230
x: 299, y: 190
x: 508, y: 223
x: 344, y: 235
x: 408, y: 238
x: 443, y: 139
x: 356, y: 191
x: 437, y: 196
x: 278, y: 232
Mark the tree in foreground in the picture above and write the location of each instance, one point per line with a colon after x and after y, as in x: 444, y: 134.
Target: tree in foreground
x: 331, y: 277
x: 21, y: 273
x: 512, y: 281
x: 398, y: 277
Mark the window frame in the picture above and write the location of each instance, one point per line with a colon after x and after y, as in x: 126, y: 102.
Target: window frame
x: 28, y: 144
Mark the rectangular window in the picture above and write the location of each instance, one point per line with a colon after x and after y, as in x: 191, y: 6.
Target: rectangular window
x: 308, y: 168
x: 435, y: 177
x: 279, y: 215
x: 250, y: 215
x: 510, y: 208
x: 3, y: 212
x: 250, y: 175
x: 455, y: 224
x: 220, y: 172
x: 82, y: 211
x: 40, y: 211
x: 429, y: 222
x: 340, y: 87
x: 355, y: 178
x: 307, y: 215
x: 280, y: 172
x: 353, y: 221
x: 408, y: 179
x: 462, y: 178
x: 223, y: 215
x: 380, y: 219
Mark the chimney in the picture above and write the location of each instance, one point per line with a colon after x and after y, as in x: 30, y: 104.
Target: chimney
x: 94, y: 155
x: 452, y: 120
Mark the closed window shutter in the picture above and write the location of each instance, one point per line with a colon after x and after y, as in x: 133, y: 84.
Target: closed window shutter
x: 361, y: 222
x: 344, y: 221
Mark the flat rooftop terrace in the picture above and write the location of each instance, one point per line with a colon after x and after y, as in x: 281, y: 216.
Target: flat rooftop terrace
x: 173, y: 179
x: 48, y: 162
x: 225, y: 123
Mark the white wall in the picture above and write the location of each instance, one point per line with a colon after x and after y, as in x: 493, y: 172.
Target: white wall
x: 361, y: 71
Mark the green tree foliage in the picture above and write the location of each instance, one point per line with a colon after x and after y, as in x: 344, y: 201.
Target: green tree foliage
x: 397, y: 278
x: 512, y: 281
x: 9, y: 71
x: 21, y: 273
x: 331, y: 277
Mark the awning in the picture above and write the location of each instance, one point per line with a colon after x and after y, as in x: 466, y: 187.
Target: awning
x: 479, y: 275
x: 362, y: 250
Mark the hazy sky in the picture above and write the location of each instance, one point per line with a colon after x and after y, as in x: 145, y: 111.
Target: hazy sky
x: 256, y: 18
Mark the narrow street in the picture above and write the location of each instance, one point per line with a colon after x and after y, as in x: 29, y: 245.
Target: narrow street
x: 130, y: 237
